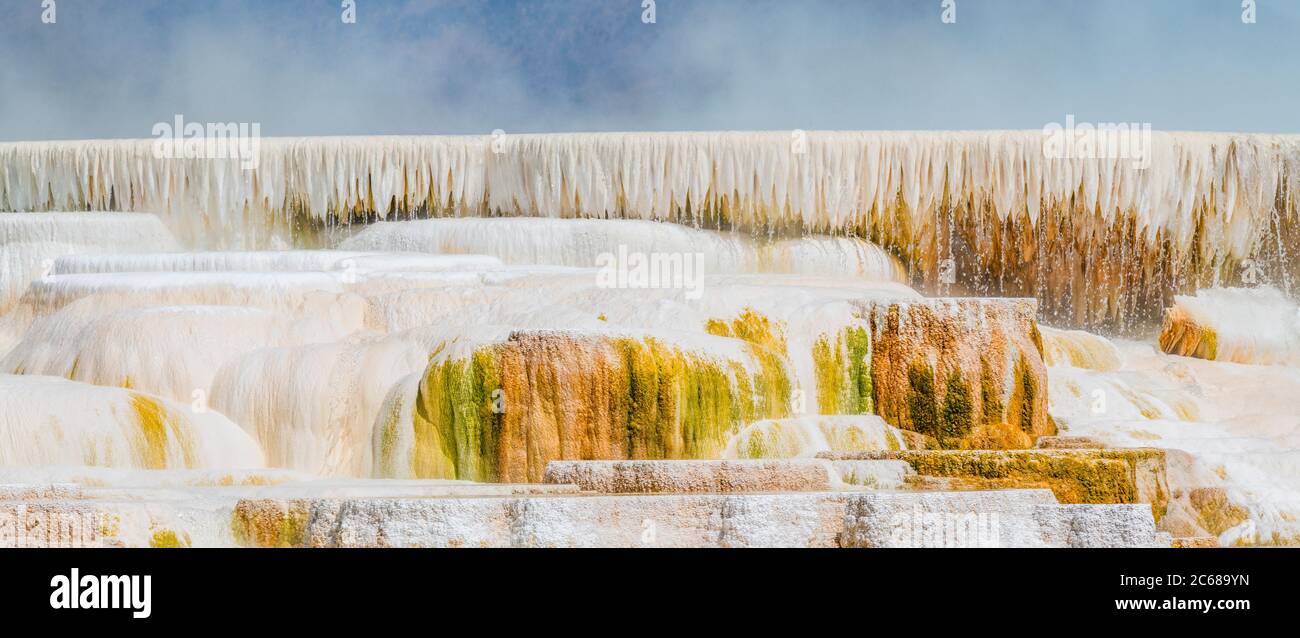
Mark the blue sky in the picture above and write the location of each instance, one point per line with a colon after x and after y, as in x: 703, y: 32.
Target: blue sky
x: 113, y: 68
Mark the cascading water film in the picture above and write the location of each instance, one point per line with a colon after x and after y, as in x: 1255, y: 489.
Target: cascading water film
x: 725, y: 274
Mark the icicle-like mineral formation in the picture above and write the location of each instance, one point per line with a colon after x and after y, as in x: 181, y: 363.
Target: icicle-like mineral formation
x: 1099, y: 240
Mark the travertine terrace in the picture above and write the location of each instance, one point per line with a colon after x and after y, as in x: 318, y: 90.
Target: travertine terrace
x: 695, y: 339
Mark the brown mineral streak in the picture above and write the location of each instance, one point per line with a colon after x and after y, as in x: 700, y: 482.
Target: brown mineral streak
x: 946, y: 335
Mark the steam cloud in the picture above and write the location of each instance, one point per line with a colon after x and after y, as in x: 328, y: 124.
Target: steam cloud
x: 113, y: 69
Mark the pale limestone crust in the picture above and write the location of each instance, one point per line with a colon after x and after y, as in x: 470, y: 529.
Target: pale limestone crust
x: 460, y: 514
x: 619, y: 477
x: 867, y: 519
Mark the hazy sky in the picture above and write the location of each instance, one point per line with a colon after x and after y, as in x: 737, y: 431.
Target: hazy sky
x: 113, y: 68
